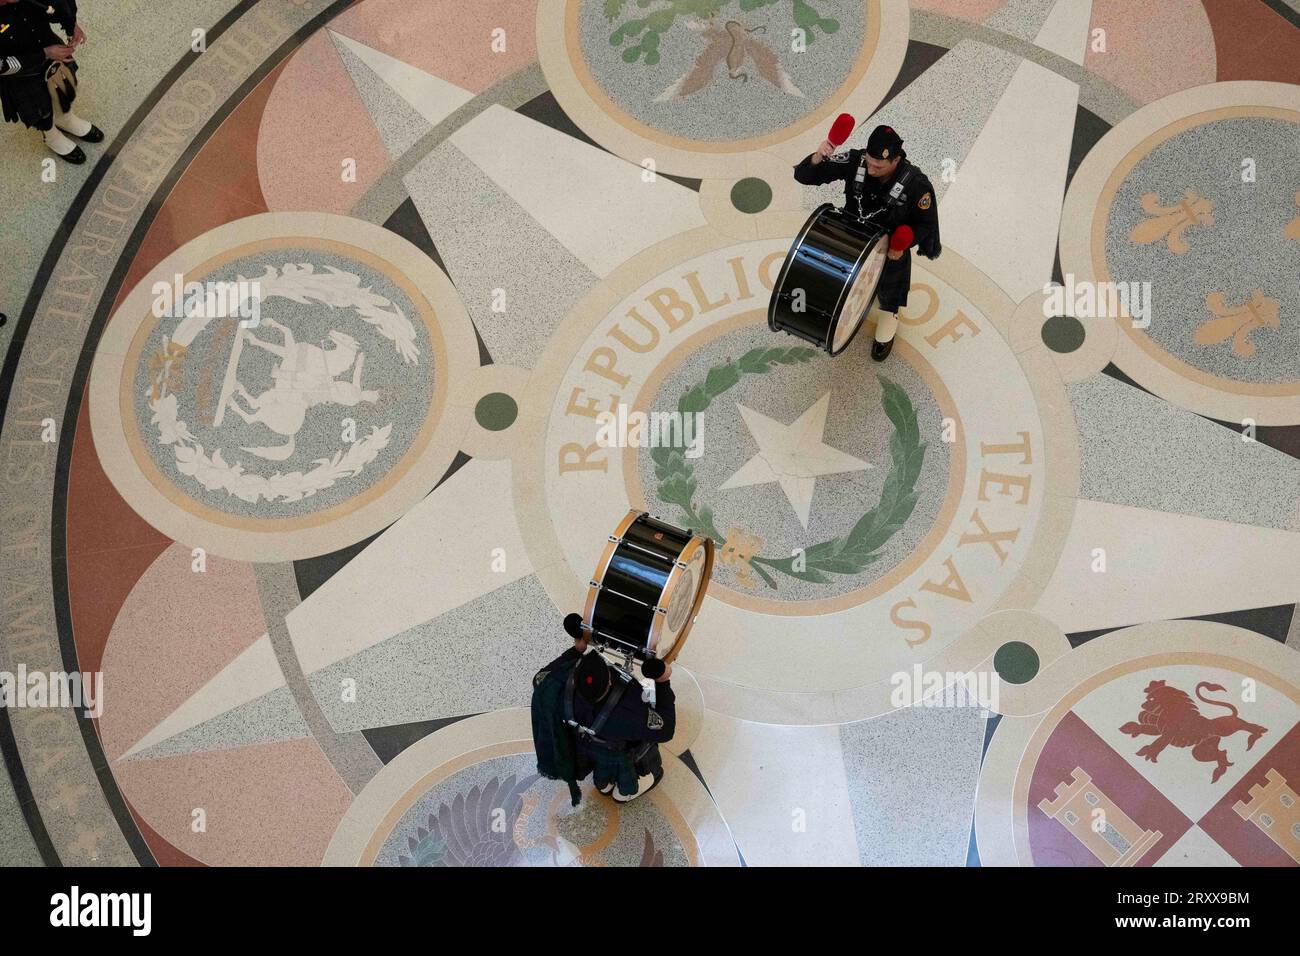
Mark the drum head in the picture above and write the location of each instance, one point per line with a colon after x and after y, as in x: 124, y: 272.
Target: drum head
x: 682, y: 598
x: 858, y: 300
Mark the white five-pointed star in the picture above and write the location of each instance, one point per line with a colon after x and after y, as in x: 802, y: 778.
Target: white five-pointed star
x: 793, y: 455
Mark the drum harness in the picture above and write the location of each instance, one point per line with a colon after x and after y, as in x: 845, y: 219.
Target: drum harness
x: 592, y: 733
x: 896, y: 199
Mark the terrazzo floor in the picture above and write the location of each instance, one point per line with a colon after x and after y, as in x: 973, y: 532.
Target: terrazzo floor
x: 318, y: 558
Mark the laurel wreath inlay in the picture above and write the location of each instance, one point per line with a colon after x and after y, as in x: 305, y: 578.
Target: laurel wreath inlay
x: 848, y: 554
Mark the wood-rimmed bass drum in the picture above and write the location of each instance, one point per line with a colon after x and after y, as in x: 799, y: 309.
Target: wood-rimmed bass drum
x: 829, y: 279
x: 648, y: 588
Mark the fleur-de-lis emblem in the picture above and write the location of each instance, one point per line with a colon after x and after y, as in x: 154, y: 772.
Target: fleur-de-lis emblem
x: 739, y: 547
x: 165, y: 367
x: 1292, y: 230
x: 1258, y: 311
x: 1170, y: 222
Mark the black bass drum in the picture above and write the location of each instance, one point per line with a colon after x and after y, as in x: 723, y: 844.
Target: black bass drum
x: 829, y: 279
x: 648, y: 587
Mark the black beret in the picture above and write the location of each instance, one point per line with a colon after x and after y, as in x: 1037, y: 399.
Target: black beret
x: 884, y: 143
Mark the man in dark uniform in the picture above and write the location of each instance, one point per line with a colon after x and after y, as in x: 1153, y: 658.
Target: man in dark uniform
x: 880, y: 185
x: 38, y: 77
x: 583, y: 706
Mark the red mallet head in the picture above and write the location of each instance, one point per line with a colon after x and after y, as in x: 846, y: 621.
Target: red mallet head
x: 901, y: 239
x: 841, y: 129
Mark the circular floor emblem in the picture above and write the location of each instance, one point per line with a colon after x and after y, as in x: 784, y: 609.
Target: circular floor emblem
x: 856, y: 453
x: 1210, y: 256
x: 1178, y: 744
x: 470, y: 795
x: 690, y: 91
x: 726, y: 77
x: 316, y: 388
x: 500, y: 813
x: 889, y: 507
x: 267, y: 378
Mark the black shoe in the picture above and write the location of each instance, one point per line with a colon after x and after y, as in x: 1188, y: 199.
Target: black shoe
x: 94, y: 135
x: 880, y: 350
x: 76, y: 157
x: 644, y: 785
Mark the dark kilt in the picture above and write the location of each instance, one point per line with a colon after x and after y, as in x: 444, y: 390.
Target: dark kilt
x: 895, y: 279
x: 26, y: 97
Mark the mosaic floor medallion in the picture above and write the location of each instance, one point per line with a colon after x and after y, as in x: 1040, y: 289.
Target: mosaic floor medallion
x: 879, y: 507
x: 692, y: 92
x: 1215, y: 240
x: 330, y: 404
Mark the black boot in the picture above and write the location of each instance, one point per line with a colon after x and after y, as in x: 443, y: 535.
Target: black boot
x: 880, y: 350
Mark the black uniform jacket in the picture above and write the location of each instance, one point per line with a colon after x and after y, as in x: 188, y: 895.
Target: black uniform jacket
x: 633, y: 719
x: 25, y: 32
x: 915, y: 206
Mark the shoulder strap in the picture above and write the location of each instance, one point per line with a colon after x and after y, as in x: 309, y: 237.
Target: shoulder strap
x: 859, y: 177
x: 897, y: 192
x: 615, y: 695
x: 568, y: 697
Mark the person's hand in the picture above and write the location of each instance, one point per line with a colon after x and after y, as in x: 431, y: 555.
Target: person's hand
x: 78, y: 35
x: 823, y: 151
x: 580, y: 644
x: 60, y: 53
x: 663, y: 678
x: 895, y: 254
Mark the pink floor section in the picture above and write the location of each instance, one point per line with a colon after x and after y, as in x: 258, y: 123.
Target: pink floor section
x: 974, y: 10
x: 315, y: 120
x: 275, y: 803
x: 1153, y: 47
x: 450, y: 39
x: 267, y: 805
x: 175, y: 630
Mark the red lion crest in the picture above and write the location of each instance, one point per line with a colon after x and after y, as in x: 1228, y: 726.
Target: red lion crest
x: 1173, y: 718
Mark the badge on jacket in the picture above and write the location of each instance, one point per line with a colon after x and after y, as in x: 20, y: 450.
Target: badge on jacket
x: 653, y: 720
x: 924, y: 202
x: 541, y: 676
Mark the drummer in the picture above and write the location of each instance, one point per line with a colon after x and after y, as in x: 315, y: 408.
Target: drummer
x: 870, y: 177
x: 623, y: 753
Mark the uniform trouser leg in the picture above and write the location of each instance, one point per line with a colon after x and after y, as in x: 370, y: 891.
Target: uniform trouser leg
x: 895, y: 280
x: 648, y: 760
x: 612, y: 766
